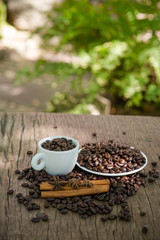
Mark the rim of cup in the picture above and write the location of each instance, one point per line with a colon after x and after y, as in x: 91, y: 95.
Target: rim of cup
x: 51, y: 138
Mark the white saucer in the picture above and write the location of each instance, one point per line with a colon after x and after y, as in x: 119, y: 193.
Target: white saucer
x: 115, y: 174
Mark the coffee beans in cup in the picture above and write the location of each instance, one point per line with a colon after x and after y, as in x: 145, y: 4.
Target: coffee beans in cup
x: 58, y: 144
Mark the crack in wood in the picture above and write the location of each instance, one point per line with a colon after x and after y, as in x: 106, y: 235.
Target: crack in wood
x: 21, y: 137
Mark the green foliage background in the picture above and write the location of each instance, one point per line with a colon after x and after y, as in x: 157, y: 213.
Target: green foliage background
x: 110, y: 39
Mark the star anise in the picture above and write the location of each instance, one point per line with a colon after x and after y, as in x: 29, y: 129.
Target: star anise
x: 57, y: 185
x: 74, y: 183
x: 86, y: 183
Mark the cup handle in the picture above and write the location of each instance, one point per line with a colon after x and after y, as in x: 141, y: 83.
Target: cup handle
x: 34, y: 162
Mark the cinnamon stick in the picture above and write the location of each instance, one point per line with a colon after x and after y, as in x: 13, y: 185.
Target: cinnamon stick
x: 47, y: 186
x: 76, y: 192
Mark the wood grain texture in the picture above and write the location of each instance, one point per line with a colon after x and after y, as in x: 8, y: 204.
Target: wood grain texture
x: 20, y: 133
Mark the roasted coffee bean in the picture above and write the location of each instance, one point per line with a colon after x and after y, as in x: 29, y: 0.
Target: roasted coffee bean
x: 112, y: 217
x: 29, y: 152
x: 154, y: 163
x: 29, y: 207
x: 61, y: 206
x: 144, y: 175
x: 124, y: 133
x: 50, y: 199
x: 10, y: 192
x: 35, y: 220
x: 144, y: 229
x: 47, y: 204
x: 45, y: 218
x: 35, y: 196
x: 20, y: 177
x: 17, y: 171
x: 64, y: 211
x: 54, y: 205
x: 19, y: 195
x: 56, y: 200
x: 25, y: 185
x: 94, y: 134
x: 156, y: 175
x: 74, y: 208
x: 151, y: 172
x: 36, y: 207
x: 85, y: 216
x: 127, y: 217
x: 93, y: 210
x: 25, y: 203
x: 104, y: 219
x: 20, y: 199
x: 142, y: 213
x: 151, y: 179
x: 31, y: 192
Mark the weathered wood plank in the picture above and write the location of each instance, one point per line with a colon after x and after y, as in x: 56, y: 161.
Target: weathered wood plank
x: 20, y: 132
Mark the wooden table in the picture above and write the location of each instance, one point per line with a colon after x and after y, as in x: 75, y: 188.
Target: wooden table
x: 20, y: 133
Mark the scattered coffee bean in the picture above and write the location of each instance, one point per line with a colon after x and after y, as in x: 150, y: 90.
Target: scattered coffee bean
x: 55, y: 127
x: 29, y: 207
x: 59, y: 144
x: 64, y: 211
x: 112, y: 217
x: 29, y: 152
x: 31, y: 192
x: 124, y: 133
x: 17, y: 172
x: 61, y: 206
x: 51, y: 199
x: 151, y: 172
x: 45, y: 218
x: 144, y: 229
x: 142, y: 213
x: 154, y: 163
x: 25, y: 203
x: 94, y: 134
x: 35, y: 196
x: 36, y: 207
x: 54, y: 205
x: 156, y: 175
x: 25, y: 185
x: 104, y: 219
x: 20, y: 199
x: 19, y: 195
x: 35, y: 220
x: 144, y: 175
x: 10, y: 192
x: 20, y: 177
x: 47, y: 204
x: 85, y: 216
x: 151, y: 179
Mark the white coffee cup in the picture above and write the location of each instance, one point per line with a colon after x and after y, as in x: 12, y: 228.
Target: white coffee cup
x: 55, y: 162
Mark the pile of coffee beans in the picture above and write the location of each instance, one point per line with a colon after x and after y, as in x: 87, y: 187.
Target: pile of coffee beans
x: 121, y: 189
x: 58, y: 144
x: 110, y: 157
